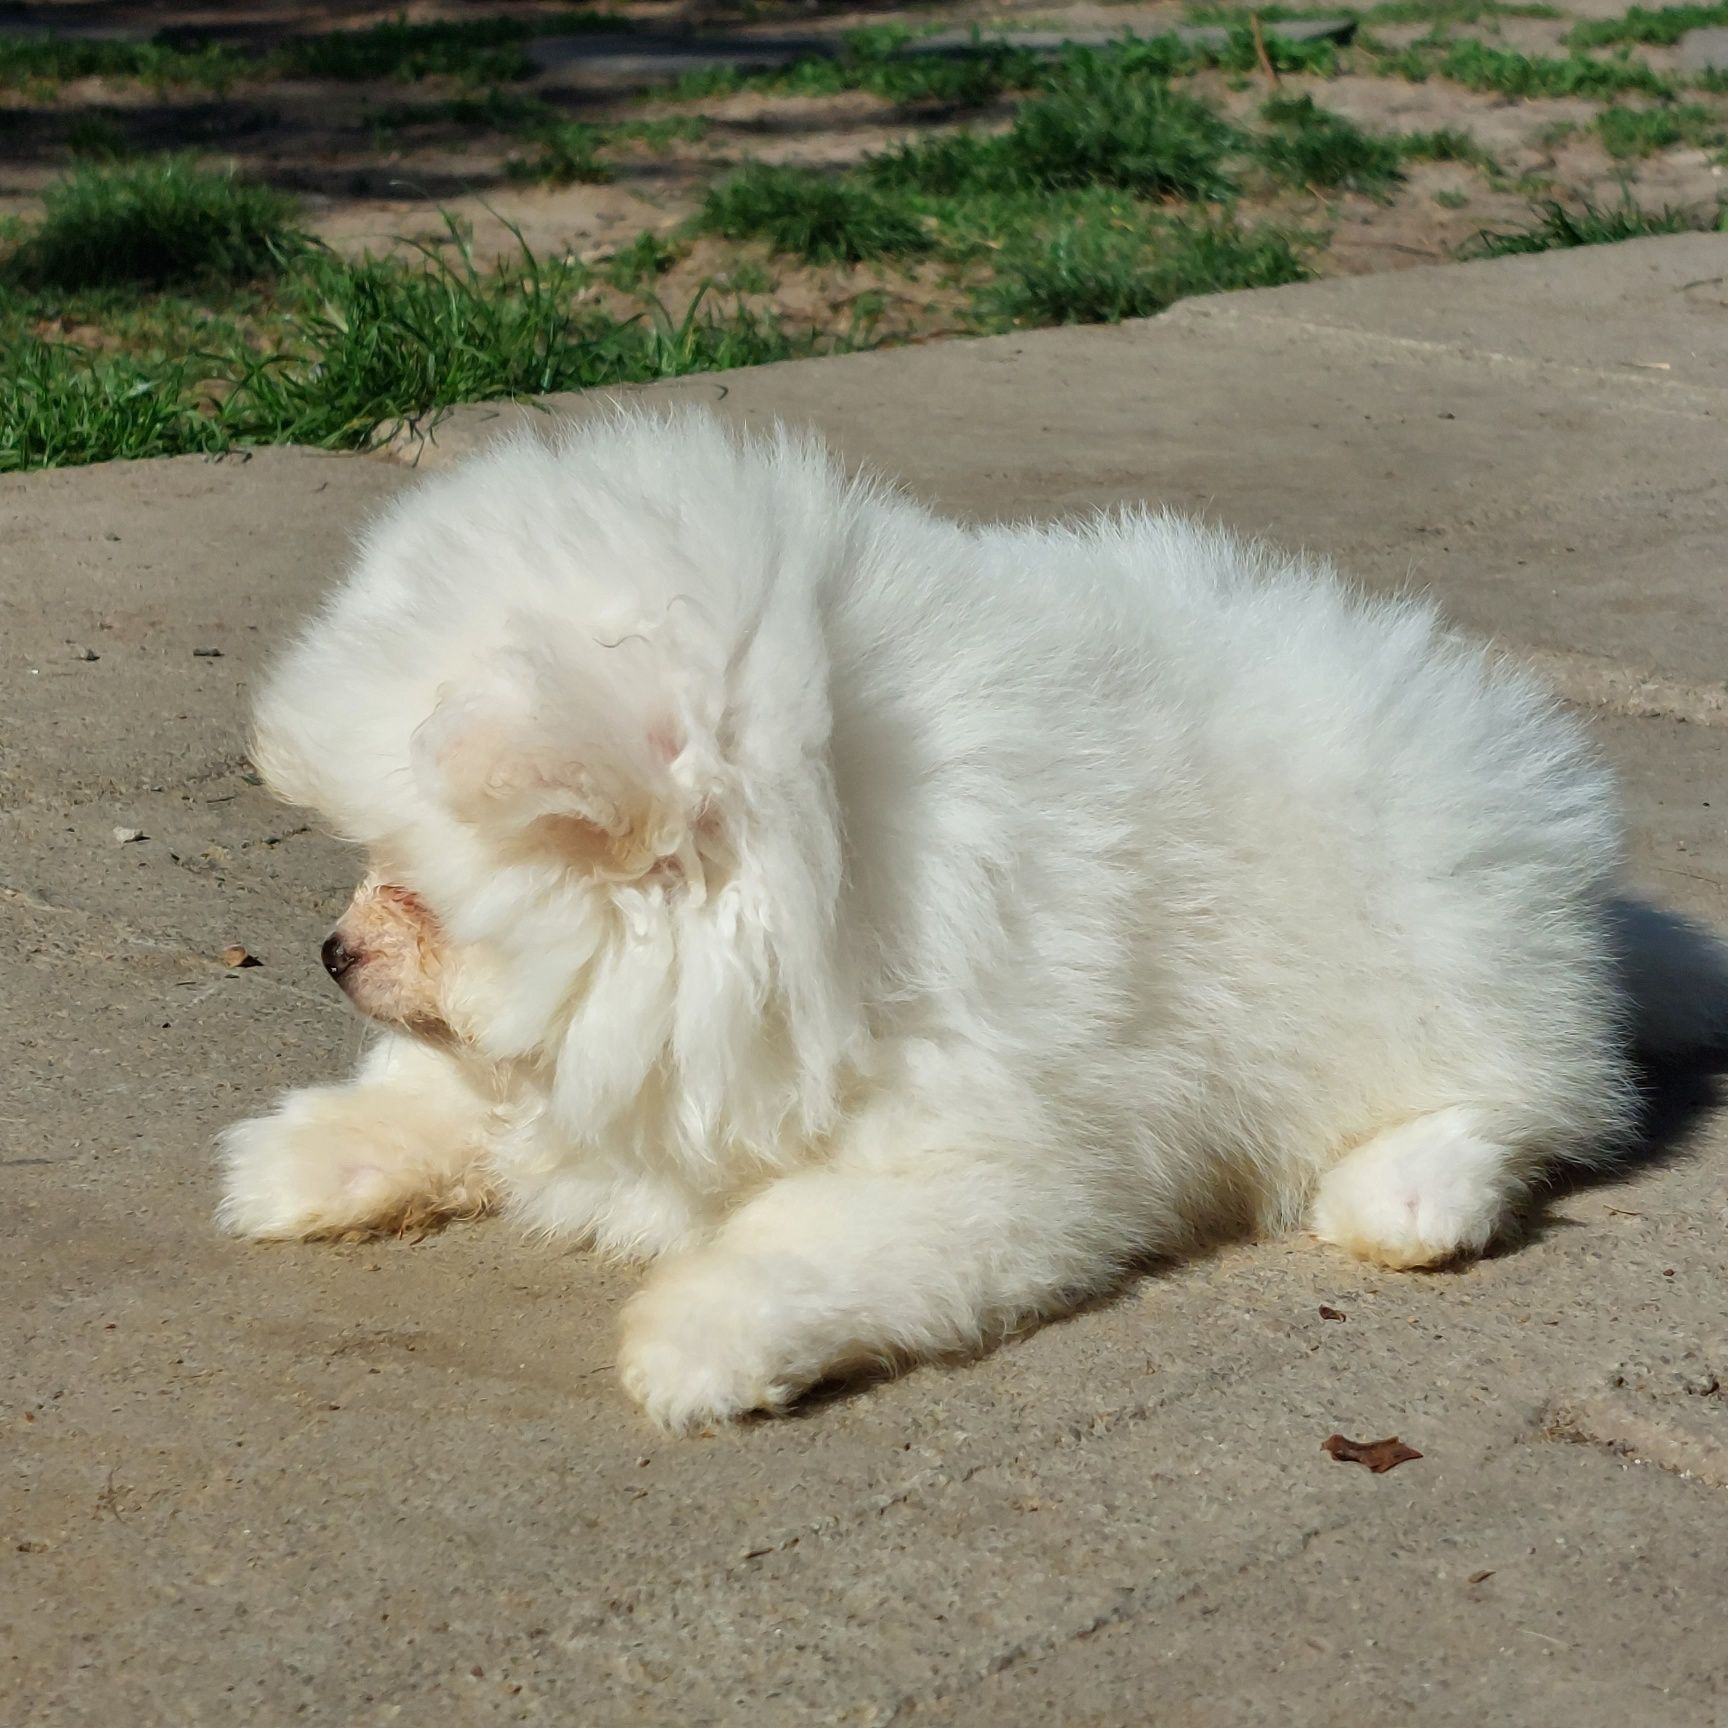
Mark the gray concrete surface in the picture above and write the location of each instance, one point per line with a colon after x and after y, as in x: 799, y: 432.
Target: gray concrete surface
x: 396, y: 1482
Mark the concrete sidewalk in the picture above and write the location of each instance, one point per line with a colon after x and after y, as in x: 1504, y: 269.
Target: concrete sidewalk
x: 398, y: 1482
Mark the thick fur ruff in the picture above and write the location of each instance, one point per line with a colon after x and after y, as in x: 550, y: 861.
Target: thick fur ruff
x: 897, y: 929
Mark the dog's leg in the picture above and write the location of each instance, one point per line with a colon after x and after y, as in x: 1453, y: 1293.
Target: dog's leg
x: 400, y: 1145
x: 1428, y: 1191
x: 634, y: 1215
x: 829, y: 1271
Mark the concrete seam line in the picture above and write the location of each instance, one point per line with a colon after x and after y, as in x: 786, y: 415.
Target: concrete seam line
x: 1641, y: 1439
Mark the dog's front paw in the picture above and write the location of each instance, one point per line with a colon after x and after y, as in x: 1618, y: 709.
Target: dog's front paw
x: 336, y: 1160
x: 286, y: 1177
x: 714, y: 1336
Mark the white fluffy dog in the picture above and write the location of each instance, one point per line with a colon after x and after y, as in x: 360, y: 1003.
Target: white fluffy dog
x: 897, y: 929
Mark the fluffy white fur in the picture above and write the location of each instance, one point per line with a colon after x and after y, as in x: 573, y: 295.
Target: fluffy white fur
x: 896, y: 930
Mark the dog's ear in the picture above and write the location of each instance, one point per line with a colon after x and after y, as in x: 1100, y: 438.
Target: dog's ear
x: 597, y: 759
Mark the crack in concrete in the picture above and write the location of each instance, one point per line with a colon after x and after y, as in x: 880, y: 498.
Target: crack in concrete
x: 935, y: 1480
x: 1134, y: 1602
x: 841, y: 1525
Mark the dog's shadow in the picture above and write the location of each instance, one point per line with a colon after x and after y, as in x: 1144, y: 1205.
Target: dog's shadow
x: 1674, y: 978
x: 1678, y: 1098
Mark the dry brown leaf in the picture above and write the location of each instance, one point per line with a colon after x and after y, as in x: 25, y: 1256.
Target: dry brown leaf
x: 235, y: 955
x: 1379, y: 1455
x: 1329, y: 1313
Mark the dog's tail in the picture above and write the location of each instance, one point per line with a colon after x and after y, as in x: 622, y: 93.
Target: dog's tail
x: 1675, y: 976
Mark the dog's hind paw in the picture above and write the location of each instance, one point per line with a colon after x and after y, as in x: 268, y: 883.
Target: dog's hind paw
x: 1433, y: 1190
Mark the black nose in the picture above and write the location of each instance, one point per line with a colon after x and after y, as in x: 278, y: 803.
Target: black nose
x: 338, y: 957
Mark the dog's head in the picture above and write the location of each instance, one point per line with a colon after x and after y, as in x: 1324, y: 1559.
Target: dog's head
x: 586, y: 759
x: 553, y: 782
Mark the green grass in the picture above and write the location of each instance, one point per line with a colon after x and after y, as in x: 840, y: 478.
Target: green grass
x: 1387, y: 12
x: 1446, y: 144
x: 388, y: 345
x: 949, y: 164
x: 97, y: 137
x: 476, y: 50
x: 495, y: 111
x: 649, y: 255
x: 155, y: 327
x: 567, y: 152
x: 1455, y: 11
x: 1661, y: 26
x: 1557, y: 228
x: 1098, y: 274
x: 748, y: 276
x: 1102, y: 128
x: 1109, y: 130
x: 351, y: 351
x: 818, y: 217
x: 957, y: 81
x: 664, y: 133
x: 1480, y: 66
x: 373, y: 343
x: 33, y: 60
x: 1106, y: 126
x: 1634, y: 132
x: 60, y: 408
x: 1310, y: 146
x: 1107, y: 118
x: 153, y: 224
x: 1239, y: 53
x: 876, y: 61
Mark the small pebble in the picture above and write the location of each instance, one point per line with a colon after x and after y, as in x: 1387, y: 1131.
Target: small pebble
x: 125, y: 836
